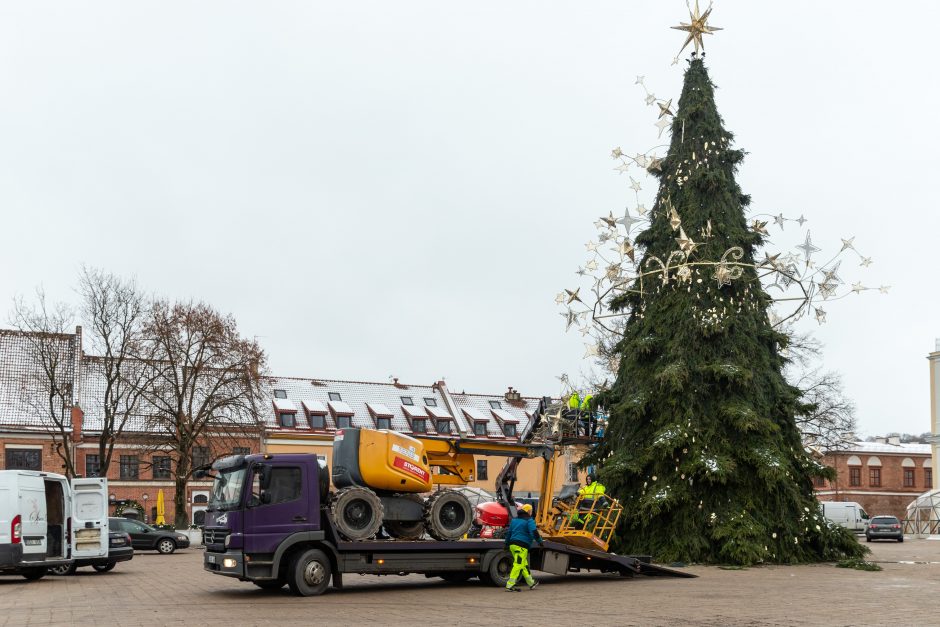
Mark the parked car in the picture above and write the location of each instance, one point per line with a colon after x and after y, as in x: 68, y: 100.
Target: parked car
x: 119, y: 550
x: 147, y: 538
x: 884, y: 528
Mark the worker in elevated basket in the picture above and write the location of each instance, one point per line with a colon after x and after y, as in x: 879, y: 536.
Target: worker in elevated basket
x: 520, y: 536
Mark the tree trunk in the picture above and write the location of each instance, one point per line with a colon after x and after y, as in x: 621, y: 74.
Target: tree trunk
x: 180, y: 519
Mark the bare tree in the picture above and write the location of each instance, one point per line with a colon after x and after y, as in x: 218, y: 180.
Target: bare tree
x: 205, y: 386
x: 113, y: 311
x: 48, y: 370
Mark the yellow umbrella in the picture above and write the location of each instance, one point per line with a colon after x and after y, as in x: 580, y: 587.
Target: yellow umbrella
x: 161, y: 509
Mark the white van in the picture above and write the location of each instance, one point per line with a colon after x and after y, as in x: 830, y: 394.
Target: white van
x: 846, y: 514
x: 45, y: 521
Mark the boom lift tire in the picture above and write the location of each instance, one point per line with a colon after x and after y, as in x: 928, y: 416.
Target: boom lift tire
x: 447, y: 515
x: 308, y: 573
x: 406, y: 529
x: 357, y: 513
x: 497, y: 573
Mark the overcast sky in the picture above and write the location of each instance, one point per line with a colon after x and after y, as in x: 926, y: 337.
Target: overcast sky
x: 378, y: 188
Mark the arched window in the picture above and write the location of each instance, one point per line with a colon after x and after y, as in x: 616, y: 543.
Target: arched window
x: 855, y: 470
x: 200, y: 499
x: 854, y: 460
x: 874, y: 472
x: 927, y: 463
x: 874, y: 461
x: 908, y: 462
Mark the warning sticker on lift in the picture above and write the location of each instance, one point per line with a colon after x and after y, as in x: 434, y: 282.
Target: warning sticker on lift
x: 410, y: 468
x: 407, y: 452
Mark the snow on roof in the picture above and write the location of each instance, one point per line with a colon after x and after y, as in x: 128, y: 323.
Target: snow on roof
x: 910, y: 448
x: 339, y: 408
x: 475, y: 414
x: 480, y: 404
x: 504, y: 416
x: 415, y: 411
x: 284, y: 404
x: 379, y: 410
x: 315, y: 407
x: 439, y: 412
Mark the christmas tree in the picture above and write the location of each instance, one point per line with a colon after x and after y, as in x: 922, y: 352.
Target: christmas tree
x: 702, y: 447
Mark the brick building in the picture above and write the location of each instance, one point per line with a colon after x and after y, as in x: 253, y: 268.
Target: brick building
x: 883, y: 476
x: 301, y: 415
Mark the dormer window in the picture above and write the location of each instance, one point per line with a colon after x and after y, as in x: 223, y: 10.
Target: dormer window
x: 509, y: 429
x: 280, y: 393
x: 286, y: 419
x: 443, y: 421
x: 443, y: 426
x: 381, y: 415
x: 343, y: 422
x: 479, y: 428
x: 316, y: 412
x: 508, y: 423
x: 478, y: 420
x: 419, y: 425
x: 417, y: 417
x: 286, y: 413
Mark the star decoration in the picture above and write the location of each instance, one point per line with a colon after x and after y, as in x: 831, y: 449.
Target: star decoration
x: 573, y: 296
x: 639, y: 80
x: 655, y: 164
x: 808, y: 248
x: 623, y: 167
x: 581, y: 272
x: 641, y: 209
x: 827, y: 289
x: 600, y: 224
x: 778, y: 220
x: 674, y: 220
x: 662, y: 125
x: 591, y: 266
x: 697, y: 28
x: 884, y: 289
x: 685, y: 242
x: 635, y: 185
x: 613, y: 272
x: 560, y: 298
x: 831, y: 276
x: 858, y: 287
x: 848, y: 243
x: 722, y: 275
x: 770, y: 260
x: 591, y: 351
x: 584, y: 330
x: 591, y: 247
x: 610, y: 220
x: 616, y: 153
x: 626, y: 248
x: 866, y: 261
x: 603, y: 237
x: 570, y: 318
x: 650, y: 99
x: 664, y: 108
x: 684, y: 274
x: 759, y: 227
x: 801, y: 220
x: 627, y: 220
x: 820, y: 315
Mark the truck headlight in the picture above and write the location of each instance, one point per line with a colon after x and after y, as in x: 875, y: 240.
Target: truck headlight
x: 228, y: 562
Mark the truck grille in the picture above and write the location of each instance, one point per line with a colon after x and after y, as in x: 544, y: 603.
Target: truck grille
x: 215, y: 538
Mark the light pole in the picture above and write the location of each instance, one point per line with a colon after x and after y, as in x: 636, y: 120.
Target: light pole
x: 146, y: 511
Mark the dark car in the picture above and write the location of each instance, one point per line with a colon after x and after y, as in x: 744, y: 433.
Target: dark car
x: 884, y: 528
x: 147, y: 538
x: 119, y: 550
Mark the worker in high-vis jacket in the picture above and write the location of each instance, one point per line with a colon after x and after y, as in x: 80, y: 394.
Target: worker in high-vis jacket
x: 592, y: 488
x: 521, y: 534
x: 574, y: 401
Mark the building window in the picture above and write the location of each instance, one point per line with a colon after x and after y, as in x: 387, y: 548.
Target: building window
x: 383, y: 423
x: 479, y: 428
x: 130, y: 467
x: 343, y: 422
x: 572, y: 473
x: 317, y: 421
x: 286, y: 419
x: 407, y: 400
x: 874, y: 477
x: 419, y: 425
x: 509, y: 429
x: 443, y: 426
x: 908, y: 477
x: 334, y: 396
x: 24, y: 459
x: 92, y: 466
x: 855, y: 476
x: 241, y: 450
x: 161, y: 467
x: 482, y: 475
x: 430, y: 402
x: 280, y: 393
x: 200, y: 456
x: 928, y: 477
x: 819, y: 482
x: 495, y: 405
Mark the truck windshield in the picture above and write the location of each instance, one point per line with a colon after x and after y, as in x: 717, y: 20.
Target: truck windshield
x: 227, y: 489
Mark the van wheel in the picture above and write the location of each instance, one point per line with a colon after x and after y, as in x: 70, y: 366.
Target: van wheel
x: 166, y: 546
x: 103, y: 568
x: 32, y: 574
x: 308, y: 573
x: 62, y: 571
x: 498, y: 572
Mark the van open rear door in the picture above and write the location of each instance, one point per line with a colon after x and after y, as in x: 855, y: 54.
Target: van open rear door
x: 89, y: 517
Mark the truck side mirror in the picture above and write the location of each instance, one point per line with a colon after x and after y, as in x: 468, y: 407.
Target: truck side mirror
x: 264, y: 477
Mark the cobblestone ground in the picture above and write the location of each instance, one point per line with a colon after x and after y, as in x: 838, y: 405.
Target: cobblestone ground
x: 173, y: 590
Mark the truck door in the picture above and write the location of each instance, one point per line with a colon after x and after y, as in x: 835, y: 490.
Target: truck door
x: 31, y: 497
x: 279, y: 505
x: 89, y: 517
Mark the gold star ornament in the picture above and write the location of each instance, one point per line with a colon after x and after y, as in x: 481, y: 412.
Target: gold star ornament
x: 697, y: 28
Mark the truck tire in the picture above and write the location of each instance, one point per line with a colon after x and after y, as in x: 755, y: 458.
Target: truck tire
x: 406, y: 529
x: 447, y: 515
x: 103, y: 568
x: 497, y: 573
x: 32, y: 574
x: 308, y: 573
x: 357, y: 513
x: 62, y: 571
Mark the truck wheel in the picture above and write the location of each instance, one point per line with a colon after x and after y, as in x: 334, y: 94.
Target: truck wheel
x: 32, y: 574
x: 447, y: 515
x: 62, y: 571
x: 357, y: 513
x: 103, y: 568
x: 497, y: 574
x: 309, y: 573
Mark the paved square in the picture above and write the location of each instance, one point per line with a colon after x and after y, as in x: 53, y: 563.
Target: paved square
x: 155, y: 589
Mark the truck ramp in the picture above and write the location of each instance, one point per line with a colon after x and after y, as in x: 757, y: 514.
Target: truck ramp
x: 560, y: 559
